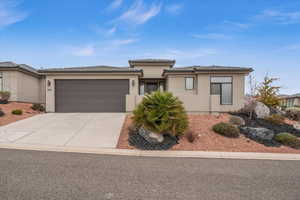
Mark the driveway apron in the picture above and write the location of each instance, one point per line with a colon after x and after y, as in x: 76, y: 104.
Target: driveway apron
x: 91, y: 130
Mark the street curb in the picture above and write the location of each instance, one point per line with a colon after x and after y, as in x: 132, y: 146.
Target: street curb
x: 167, y: 154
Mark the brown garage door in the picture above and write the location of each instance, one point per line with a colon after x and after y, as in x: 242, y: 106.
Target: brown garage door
x: 91, y: 95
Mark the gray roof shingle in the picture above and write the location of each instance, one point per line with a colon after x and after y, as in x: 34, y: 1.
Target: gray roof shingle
x: 212, y: 68
x: 100, y: 68
x: 13, y: 65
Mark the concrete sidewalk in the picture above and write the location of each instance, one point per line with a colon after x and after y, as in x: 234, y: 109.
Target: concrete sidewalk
x: 178, y: 154
x: 85, y: 130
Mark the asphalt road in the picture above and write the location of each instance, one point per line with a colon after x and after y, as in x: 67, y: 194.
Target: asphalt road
x: 49, y: 175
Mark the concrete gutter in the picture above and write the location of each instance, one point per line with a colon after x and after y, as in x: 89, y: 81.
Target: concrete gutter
x: 183, y: 154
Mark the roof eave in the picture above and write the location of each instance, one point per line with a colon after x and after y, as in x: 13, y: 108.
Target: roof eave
x: 45, y: 72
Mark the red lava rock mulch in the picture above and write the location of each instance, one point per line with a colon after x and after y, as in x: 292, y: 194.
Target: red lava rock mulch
x: 208, y: 140
x: 9, y: 118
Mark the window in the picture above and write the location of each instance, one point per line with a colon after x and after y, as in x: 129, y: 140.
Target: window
x: 215, y: 88
x: 222, y: 86
x: 189, y: 83
x: 1, y: 81
x: 150, y: 85
x: 290, y: 102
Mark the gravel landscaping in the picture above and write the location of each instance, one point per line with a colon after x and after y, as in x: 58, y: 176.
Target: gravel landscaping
x: 208, y: 140
x: 9, y: 117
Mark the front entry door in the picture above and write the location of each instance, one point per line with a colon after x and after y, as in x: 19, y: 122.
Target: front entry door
x: 151, y: 87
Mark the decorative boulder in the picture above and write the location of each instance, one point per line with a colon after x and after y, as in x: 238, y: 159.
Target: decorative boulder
x: 297, y: 126
x: 152, y: 138
x: 236, y: 120
x: 261, y: 110
x: 258, y: 134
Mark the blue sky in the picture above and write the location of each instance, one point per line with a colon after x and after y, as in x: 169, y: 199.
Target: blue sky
x: 52, y: 33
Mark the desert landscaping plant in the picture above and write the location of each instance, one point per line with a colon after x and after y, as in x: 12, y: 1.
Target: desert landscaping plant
x: 275, y: 119
x: 288, y: 140
x: 1, y: 113
x: 293, y: 114
x: 226, y: 129
x: 267, y: 93
x: 190, y: 136
x: 17, y: 112
x: 161, y: 112
x: 38, y: 107
x: 4, y: 96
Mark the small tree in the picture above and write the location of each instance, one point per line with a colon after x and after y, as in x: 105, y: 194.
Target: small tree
x: 267, y: 93
x: 161, y: 112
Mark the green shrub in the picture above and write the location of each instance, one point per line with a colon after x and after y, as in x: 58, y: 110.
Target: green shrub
x: 161, y: 112
x: 288, y: 140
x: 4, y: 95
x: 275, y: 119
x: 226, y: 129
x: 38, y: 107
x: 1, y: 113
x: 17, y: 112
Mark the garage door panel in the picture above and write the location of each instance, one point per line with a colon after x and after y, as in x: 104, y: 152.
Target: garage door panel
x: 91, y: 95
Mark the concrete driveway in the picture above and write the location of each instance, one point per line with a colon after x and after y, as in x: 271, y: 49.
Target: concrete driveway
x: 91, y: 130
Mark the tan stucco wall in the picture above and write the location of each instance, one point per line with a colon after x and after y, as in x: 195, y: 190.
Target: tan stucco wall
x: 22, y: 87
x: 297, y: 102
x: 10, y: 84
x: 42, y: 90
x: 201, y: 100
x: 50, y: 91
x: 152, y: 71
x: 176, y: 84
x: 28, y: 88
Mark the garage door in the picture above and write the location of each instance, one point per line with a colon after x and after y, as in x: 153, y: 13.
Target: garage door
x: 91, y: 95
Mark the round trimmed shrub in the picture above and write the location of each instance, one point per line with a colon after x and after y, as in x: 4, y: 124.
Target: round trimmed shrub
x: 17, y: 112
x: 288, y: 140
x: 1, y: 113
x: 161, y: 112
x: 38, y: 107
x: 275, y: 119
x: 226, y: 129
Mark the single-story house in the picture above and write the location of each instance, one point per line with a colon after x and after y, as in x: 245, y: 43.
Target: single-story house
x: 290, y: 100
x: 120, y: 89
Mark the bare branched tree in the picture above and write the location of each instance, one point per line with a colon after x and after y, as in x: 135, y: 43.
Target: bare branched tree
x: 253, y: 85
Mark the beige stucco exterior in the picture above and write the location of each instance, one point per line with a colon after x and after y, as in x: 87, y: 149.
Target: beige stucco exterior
x: 40, y: 87
x: 152, y: 71
x: 199, y: 99
x: 23, y: 87
x: 295, y: 101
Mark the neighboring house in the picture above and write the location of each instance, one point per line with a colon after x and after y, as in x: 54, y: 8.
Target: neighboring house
x: 290, y: 100
x: 23, y: 82
x: 120, y: 89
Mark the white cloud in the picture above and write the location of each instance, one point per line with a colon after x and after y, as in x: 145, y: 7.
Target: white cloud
x: 99, y: 48
x: 238, y: 24
x: 115, y: 4
x: 123, y: 42
x: 211, y: 36
x: 106, y: 32
x: 174, y: 9
x: 139, y: 13
x: 181, y: 54
x: 10, y: 14
x: 87, y: 50
x: 280, y: 17
x: 190, y: 53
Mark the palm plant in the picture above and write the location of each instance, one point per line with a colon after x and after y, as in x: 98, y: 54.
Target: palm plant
x: 161, y: 112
